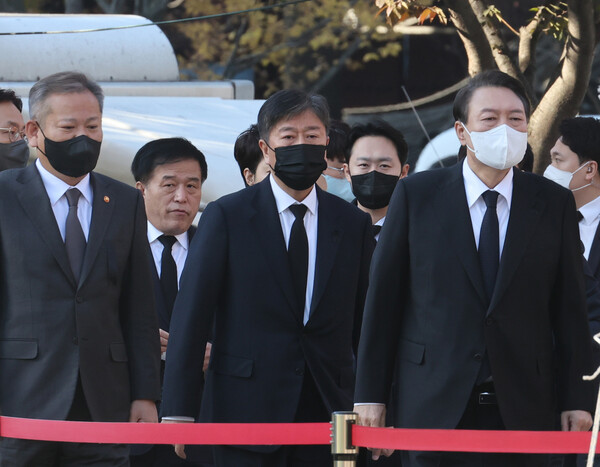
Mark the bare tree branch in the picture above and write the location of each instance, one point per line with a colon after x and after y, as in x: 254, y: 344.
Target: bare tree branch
x: 528, y: 38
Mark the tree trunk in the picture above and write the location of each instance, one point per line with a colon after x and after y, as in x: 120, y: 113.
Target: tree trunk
x: 479, y: 53
x: 563, y: 98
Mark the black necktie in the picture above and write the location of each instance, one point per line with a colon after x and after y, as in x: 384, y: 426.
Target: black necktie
x: 489, y: 243
x: 74, y: 237
x: 168, y: 273
x: 376, y: 230
x: 298, y: 254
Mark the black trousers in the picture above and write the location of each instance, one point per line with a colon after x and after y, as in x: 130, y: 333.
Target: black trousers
x: 27, y: 453
x: 477, y: 416
x: 310, y: 409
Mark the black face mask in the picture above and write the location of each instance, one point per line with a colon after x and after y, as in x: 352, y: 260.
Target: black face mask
x: 373, y: 190
x: 74, y: 157
x: 13, y: 155
x: 300, y: 165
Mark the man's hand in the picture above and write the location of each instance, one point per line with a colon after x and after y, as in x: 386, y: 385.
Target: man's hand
x: 164, y: 340
x: 179, y: 448
x: 207, y: 356
x: 143, y: 411
x: 575, y: 420
x: 373, y: 415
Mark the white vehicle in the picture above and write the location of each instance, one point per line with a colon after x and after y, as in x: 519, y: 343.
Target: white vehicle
x: 441, y: 151
x: 145, y: 100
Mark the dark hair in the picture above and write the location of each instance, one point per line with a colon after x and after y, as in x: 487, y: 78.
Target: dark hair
x: 165, y: 151
x: 8, y: 95
x: 526, y: 165
x: 246, y: 150
x: 582, y: 135
x: 489, y: 78
x: 378, y: 127
x: 338, y: 138
x: 65, y: 82
x: 289, y: 103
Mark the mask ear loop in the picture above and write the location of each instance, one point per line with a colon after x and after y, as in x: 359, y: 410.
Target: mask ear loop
x: 584, y: 186
x: 44, y: 134
x: 469, y: 133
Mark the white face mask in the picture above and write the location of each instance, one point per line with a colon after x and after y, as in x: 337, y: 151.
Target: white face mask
x: 562, y: 177
x: 501, y: 147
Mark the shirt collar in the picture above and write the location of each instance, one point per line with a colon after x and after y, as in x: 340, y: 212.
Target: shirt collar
x: 474, y: 187
x: 380, y: 221
x: 590, y: 211
x: 154, y: 233
x: 56, y: 188
x: 284, y: 200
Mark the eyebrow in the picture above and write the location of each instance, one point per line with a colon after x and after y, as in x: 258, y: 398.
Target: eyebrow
x: 188, y: 179
x: 521, y: 111
x: 11, y: 123
x: 292, y: 128
x: 377, y: 159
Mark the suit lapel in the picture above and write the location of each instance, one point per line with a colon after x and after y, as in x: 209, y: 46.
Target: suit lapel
x: 102, y: 209
x: 594, y: 256
x: 265, y: 220
x: 453, y: 212
x: 328, y: 236
x: 36, y: 205
x: 525, y: 211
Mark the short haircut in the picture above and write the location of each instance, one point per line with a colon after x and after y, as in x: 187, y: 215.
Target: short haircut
x: 487, y: 79
x: 378, y: 127
x: 65, y: 82
x: 8, y: 95
x: 165, y: 151
x: 338, y: 139
x: 289, y: 103
x: 246, y: 150
x: 582, y: 136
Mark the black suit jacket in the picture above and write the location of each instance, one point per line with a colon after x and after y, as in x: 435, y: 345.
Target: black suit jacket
x: 238, y: 268
x: 52, y: 328
x: 426, y: 311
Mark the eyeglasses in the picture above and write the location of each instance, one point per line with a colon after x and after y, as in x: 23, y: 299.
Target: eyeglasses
x: 14, y: 134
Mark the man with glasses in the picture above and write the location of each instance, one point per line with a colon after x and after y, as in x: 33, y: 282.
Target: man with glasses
x: 14, y: 151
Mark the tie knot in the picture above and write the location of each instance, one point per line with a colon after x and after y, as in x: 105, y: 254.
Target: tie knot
x: 72, y: 195
x: 491, y: 198
x: 298, y: 210
x: 167, y: 240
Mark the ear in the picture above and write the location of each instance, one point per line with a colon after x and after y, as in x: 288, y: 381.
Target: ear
x: 32, y: 131
x: 347, y: 173
x: 269, y: 158
x: 460, y: 132
x: 248, y: 176
x: 591, y: 170
x: 140, y: 186
x: 405, y: 169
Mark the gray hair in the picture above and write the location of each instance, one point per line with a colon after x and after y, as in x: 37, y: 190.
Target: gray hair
x: 287, y: 104
x: 65, y: 82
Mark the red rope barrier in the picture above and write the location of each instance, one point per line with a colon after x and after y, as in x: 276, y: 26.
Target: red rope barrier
x: 535, y: 442
x: 294, y: 434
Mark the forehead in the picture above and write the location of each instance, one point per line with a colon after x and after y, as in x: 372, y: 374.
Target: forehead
x: 75, y: 104
x: 184, y: 169
x: 9, y: 114
x: 496, y: 99
x: 307, y: 120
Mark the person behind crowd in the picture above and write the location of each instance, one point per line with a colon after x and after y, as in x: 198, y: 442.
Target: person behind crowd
x: 169, y: 172
x: 249, y: 156
x: 14, y: 151
x: 481, y: 319
x: 78, y: 326
x: 336, y: 158
x: 376, y: 155
x: 285, y: 325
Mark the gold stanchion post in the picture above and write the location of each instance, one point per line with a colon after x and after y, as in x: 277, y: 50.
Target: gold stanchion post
x: 344, y: 453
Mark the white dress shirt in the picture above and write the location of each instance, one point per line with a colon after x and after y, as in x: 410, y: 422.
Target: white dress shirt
x: 474, y: 188
x: 283, y: 202
x: 589, y: 224
x: 56, y: 189
x: 379, y: 222
x: 179, y: 250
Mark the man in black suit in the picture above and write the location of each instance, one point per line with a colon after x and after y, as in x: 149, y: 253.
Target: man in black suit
x: 282, y: 267
x: 78, y: 334
x: 169, y: 172
x: 477, y: 295
x: 14, y: 152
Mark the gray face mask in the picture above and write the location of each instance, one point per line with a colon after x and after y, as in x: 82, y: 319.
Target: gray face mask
x: 13, y: 155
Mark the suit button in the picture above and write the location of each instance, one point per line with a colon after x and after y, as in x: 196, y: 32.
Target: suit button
x: 75, y: 341
x: 489, y: 321
x: 79, y: 299
x: 477, y: 357
x: 299, y: 371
